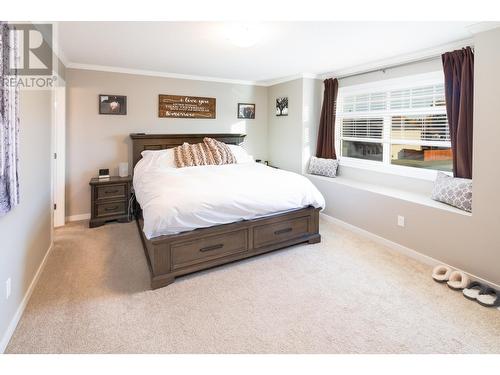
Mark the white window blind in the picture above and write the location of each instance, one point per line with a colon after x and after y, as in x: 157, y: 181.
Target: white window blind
x: 363, y: 127
x: 420, y: 128
x: 429, y: 96
x: 403, y: 122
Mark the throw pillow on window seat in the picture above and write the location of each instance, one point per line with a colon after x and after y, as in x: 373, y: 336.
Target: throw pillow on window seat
x: 323, y: 167
x: 454, y: 191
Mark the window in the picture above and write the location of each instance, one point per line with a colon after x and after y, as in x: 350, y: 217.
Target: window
x: 395, y: 123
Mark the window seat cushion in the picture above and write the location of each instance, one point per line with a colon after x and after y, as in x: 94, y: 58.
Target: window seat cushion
x: 454, y: 191
x: 417, y: 197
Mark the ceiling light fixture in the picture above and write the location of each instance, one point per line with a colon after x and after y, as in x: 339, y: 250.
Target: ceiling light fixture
x: 244, y: 35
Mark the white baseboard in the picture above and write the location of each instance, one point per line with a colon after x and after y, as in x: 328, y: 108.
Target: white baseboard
x: 20, y: 310
x: 425, y: 259
x: 78, y: 217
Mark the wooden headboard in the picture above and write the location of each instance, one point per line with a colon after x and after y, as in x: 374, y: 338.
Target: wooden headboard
x: 142, y: 141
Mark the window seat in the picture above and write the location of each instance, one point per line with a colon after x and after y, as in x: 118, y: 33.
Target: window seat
x: 414, y: 197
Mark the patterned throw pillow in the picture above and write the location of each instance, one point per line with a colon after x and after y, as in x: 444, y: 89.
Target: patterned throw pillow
x: 220, y: 151
x: 188, y: 155
x: 456, y: 192
x: 323, y: 167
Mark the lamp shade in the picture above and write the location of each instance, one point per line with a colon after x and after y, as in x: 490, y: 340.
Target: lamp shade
x: 123, y: 169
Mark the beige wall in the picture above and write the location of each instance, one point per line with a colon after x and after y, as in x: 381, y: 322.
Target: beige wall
x: 284, y: 132
x: 25, y: 232
x: 98, y: 141
x: 292, y: 138
x: 312, y: 96
x: 471, y: 243
x: 486, y: 173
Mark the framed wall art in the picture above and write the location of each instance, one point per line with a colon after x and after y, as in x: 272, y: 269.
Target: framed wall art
x: 112, y: 105
x: 246, y: 110
x: 282, y: 106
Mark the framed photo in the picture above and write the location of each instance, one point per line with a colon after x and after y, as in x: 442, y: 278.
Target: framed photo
x: 112, y: 105
x: 282, y: 106
x: 246, y: 110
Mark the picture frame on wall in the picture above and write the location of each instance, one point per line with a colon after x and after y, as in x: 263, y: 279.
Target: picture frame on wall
x: 246, y: 111
x: 282, y: 106
x: 112, y: 104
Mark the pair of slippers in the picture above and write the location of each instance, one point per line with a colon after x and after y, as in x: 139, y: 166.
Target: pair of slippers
x: 456, y: 280
x: 482, y: 294
x: 475, y: 291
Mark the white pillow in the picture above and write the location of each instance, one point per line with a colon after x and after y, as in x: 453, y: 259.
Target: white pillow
x: 241, y: 154
x: 165, y: 158
x: 159, y: 158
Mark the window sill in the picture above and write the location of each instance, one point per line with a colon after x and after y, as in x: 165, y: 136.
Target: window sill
x: 420, y: 173
x: 414, y: 197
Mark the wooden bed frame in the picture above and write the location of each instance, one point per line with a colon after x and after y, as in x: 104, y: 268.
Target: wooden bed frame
x: 179, y: 254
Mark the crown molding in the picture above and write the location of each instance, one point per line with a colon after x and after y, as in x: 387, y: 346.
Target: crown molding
x: 152, y: 73
x: 397, y: 60
x: 480, y: 27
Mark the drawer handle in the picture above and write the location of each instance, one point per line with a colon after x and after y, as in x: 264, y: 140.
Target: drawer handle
x: 213, y: 247
x: 111, y: 208
x: 281, y: 231
x: 111, y: 191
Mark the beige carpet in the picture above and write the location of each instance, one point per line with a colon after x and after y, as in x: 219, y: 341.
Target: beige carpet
x: 344, y: 295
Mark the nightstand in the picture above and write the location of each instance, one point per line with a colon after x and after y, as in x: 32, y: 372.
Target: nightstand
x: 109, y: 200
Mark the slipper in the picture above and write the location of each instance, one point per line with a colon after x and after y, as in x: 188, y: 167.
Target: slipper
x: 489, y: 297
x: 458, y: 280
x: 441, y: 273
x: 473, y: 289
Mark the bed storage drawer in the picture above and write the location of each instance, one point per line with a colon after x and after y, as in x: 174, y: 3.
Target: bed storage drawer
x: 189, y: 253
x: 108, y: 209
x: 279, y: 232
x: 111, y: 192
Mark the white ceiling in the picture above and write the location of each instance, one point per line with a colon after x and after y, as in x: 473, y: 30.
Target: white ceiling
x: 282, y: 49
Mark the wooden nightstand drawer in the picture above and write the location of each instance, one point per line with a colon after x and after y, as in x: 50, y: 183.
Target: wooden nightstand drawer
x: 111, y: 191
x: 109, y: 200
x: 111, y: 209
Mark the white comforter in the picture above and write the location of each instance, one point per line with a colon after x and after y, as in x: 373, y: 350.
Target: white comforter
x: 175, y: 200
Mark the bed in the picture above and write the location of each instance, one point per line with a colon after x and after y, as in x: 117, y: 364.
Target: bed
x: 194, y: 218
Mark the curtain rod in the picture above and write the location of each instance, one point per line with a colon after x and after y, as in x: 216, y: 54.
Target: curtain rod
x: 382, y: 69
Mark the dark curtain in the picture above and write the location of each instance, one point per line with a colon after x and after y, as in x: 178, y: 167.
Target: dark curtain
x: 458, y: 69
x: 326, y: 134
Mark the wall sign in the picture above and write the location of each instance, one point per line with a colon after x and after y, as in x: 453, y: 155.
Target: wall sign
x: 182, y: 106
